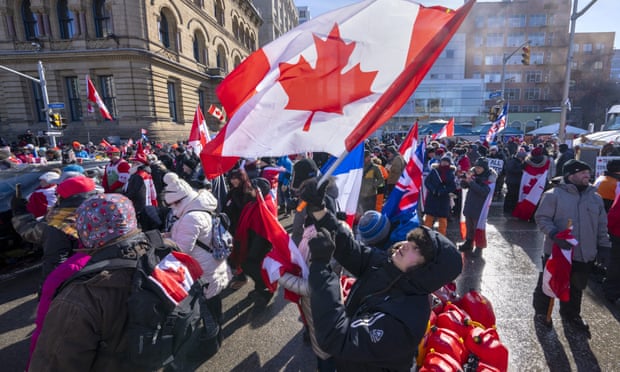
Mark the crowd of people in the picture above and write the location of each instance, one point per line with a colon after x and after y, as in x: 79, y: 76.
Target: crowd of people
x: 157, y: 186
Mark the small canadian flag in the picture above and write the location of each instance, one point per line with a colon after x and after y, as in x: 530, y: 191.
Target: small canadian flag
x: 216, y: 112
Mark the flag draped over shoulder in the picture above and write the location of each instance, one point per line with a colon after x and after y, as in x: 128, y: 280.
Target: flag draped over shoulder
x: 480, y: 235
x: 329, y: 83
x: 284, y: 255
x: 532, y: 188
x: 348, y: 177
x: 498, y: 125
x: 556, y: 276
x: 199, y: 134
x: 93, y: 97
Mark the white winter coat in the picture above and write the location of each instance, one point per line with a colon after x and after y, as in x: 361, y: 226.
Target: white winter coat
x: 194, y: 224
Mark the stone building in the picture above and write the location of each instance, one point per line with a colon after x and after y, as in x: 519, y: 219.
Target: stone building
x: 279, y: 16
x: 152, y: 62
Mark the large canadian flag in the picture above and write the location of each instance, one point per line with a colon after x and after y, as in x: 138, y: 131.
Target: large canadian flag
x: 330, y: 82
x: 199, y: 134
x: 533, y: 184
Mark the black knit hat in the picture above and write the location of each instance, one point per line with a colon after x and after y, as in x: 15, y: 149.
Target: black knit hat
x: 574, y: 166
x: 303, y: 170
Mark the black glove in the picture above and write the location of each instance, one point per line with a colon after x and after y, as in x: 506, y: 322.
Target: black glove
x: 563, y: 244
x: 321, y: 246
x: 312, y: 195
x: 18, y: 206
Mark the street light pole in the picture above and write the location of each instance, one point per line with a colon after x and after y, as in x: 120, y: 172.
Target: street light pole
x: 569, y: 61
x: 505, y: 59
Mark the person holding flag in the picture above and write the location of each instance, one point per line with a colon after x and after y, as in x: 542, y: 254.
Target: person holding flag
x: 576, y: 200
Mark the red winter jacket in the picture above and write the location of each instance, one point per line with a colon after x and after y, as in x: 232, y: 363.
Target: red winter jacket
x: 613, y: 218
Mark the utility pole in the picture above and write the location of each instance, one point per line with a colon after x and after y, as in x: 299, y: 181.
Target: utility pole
x: 41, y: 81
x: 569, y: 62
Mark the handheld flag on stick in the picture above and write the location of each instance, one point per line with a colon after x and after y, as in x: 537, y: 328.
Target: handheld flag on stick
x: 93, y: 97
x: 199, y: 134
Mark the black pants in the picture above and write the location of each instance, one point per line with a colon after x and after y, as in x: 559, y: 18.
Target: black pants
x: 580, y: 271
x: 512, y: 197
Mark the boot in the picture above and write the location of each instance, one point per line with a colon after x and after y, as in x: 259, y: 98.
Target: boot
x: 467, y: 246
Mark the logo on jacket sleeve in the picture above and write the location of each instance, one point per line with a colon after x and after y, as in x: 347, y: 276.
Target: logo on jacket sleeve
x: 375, y: 335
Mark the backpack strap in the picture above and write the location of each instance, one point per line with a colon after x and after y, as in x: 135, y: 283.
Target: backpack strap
x: 89, y: 271
x: 198, y: 242
x: 155, y: 239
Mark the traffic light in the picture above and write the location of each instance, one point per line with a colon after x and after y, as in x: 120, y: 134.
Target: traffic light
x: 63, y: 122
x: 55, y: 119
x: 525, y: 56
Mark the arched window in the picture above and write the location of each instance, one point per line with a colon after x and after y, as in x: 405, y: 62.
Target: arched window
x: 65, y: 20
x: 235, y: 28
x: 102, y: 19
x: 219, y: 12
x: 199, y: 48
x: 164, y: 31
x: 31, y: 26
x: 221, y: 59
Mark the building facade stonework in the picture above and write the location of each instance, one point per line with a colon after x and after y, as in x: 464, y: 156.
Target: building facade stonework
x: 152, y: 62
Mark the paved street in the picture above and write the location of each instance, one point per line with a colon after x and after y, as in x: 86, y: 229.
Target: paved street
x: 272, y: 340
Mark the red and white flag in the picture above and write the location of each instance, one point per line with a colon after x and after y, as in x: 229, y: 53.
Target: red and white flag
x: 216, y: 113
x: 406, y: 147
x: 199, y: 134
x: 556, y: 276
x: 446, y: 131
x: 480, y: 235
x: 175, y: 275
x: 93, y: 97
x: 532, y: 188
x: 329, y: 83
x: 284, y: 255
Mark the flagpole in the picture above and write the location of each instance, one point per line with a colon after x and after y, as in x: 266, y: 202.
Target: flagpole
x: 325, y: 176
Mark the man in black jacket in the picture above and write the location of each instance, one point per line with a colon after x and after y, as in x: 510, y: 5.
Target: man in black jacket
x: 386, y: 313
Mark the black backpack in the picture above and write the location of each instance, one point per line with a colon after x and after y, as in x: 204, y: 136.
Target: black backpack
x: 161, y: 332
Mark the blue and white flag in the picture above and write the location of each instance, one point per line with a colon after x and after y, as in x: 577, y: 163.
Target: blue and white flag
x: 498, y: 125
x: 348, y: 178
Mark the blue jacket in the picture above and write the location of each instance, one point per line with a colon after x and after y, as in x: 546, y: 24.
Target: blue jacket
x: 437, y: 202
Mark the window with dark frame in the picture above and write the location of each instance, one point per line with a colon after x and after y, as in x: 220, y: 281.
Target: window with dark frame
x: 39, y: 104
x: 101, y: 18
x: 164, y: 32
x: 65, y: 20
x: 73, y: 95
x: 108, y: 95
x: 172, y: 101
x: 31, y: 26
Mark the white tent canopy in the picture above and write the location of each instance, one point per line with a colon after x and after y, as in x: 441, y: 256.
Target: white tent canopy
x: 555, y: 128
x: 598, y: 138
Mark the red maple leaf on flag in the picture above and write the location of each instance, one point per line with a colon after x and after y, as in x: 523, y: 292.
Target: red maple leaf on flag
x: 325, y: 88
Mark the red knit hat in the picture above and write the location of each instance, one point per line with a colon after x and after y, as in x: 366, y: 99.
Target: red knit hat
x: 75, y: 185
x: 140, y: 155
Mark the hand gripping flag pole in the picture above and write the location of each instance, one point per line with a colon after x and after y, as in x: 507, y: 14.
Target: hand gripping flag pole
x: 325, y: 176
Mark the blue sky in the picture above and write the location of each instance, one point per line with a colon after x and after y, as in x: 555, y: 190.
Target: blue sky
x: 601, y: 17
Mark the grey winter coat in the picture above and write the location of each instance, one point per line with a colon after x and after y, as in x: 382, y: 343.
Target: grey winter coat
x: 585, y: 210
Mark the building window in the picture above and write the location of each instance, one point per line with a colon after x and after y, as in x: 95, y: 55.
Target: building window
x: 449, y: 76
x: 434, y: 105
x: 495, y: 21
x: 202, y: 100
x: 65, y: 20
x: 513, y: 77
x: 38, y: 102
x: 479, y: 22
x: 514, y: 108
x: 221, y: 59
x: 476, y: 75
x: 106, y: 82
x: 600, y: 46
x: 537, y: 58
x: 598, y: 65
x: 495, y: 40
x: 493, y: 59
x: 533, y: 76
x: 199, y: 48
x: 537, y: 38
x: 575, y: 47
x: 31, y: 26
x: 164, y: 31
x: 73, y: 95
x: 478, y: 40
x: 492, y: 77
x: 512, y: 93
x: 532, y: 94
x: 538, y: 20
x: 172, y: 101
x: 516, y: 39
x: 219, y: 12
x: 587, y: 48
x: 516, y: 21
x: 530, y: 108
x: 450, y: 53
x: 102, y: 19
